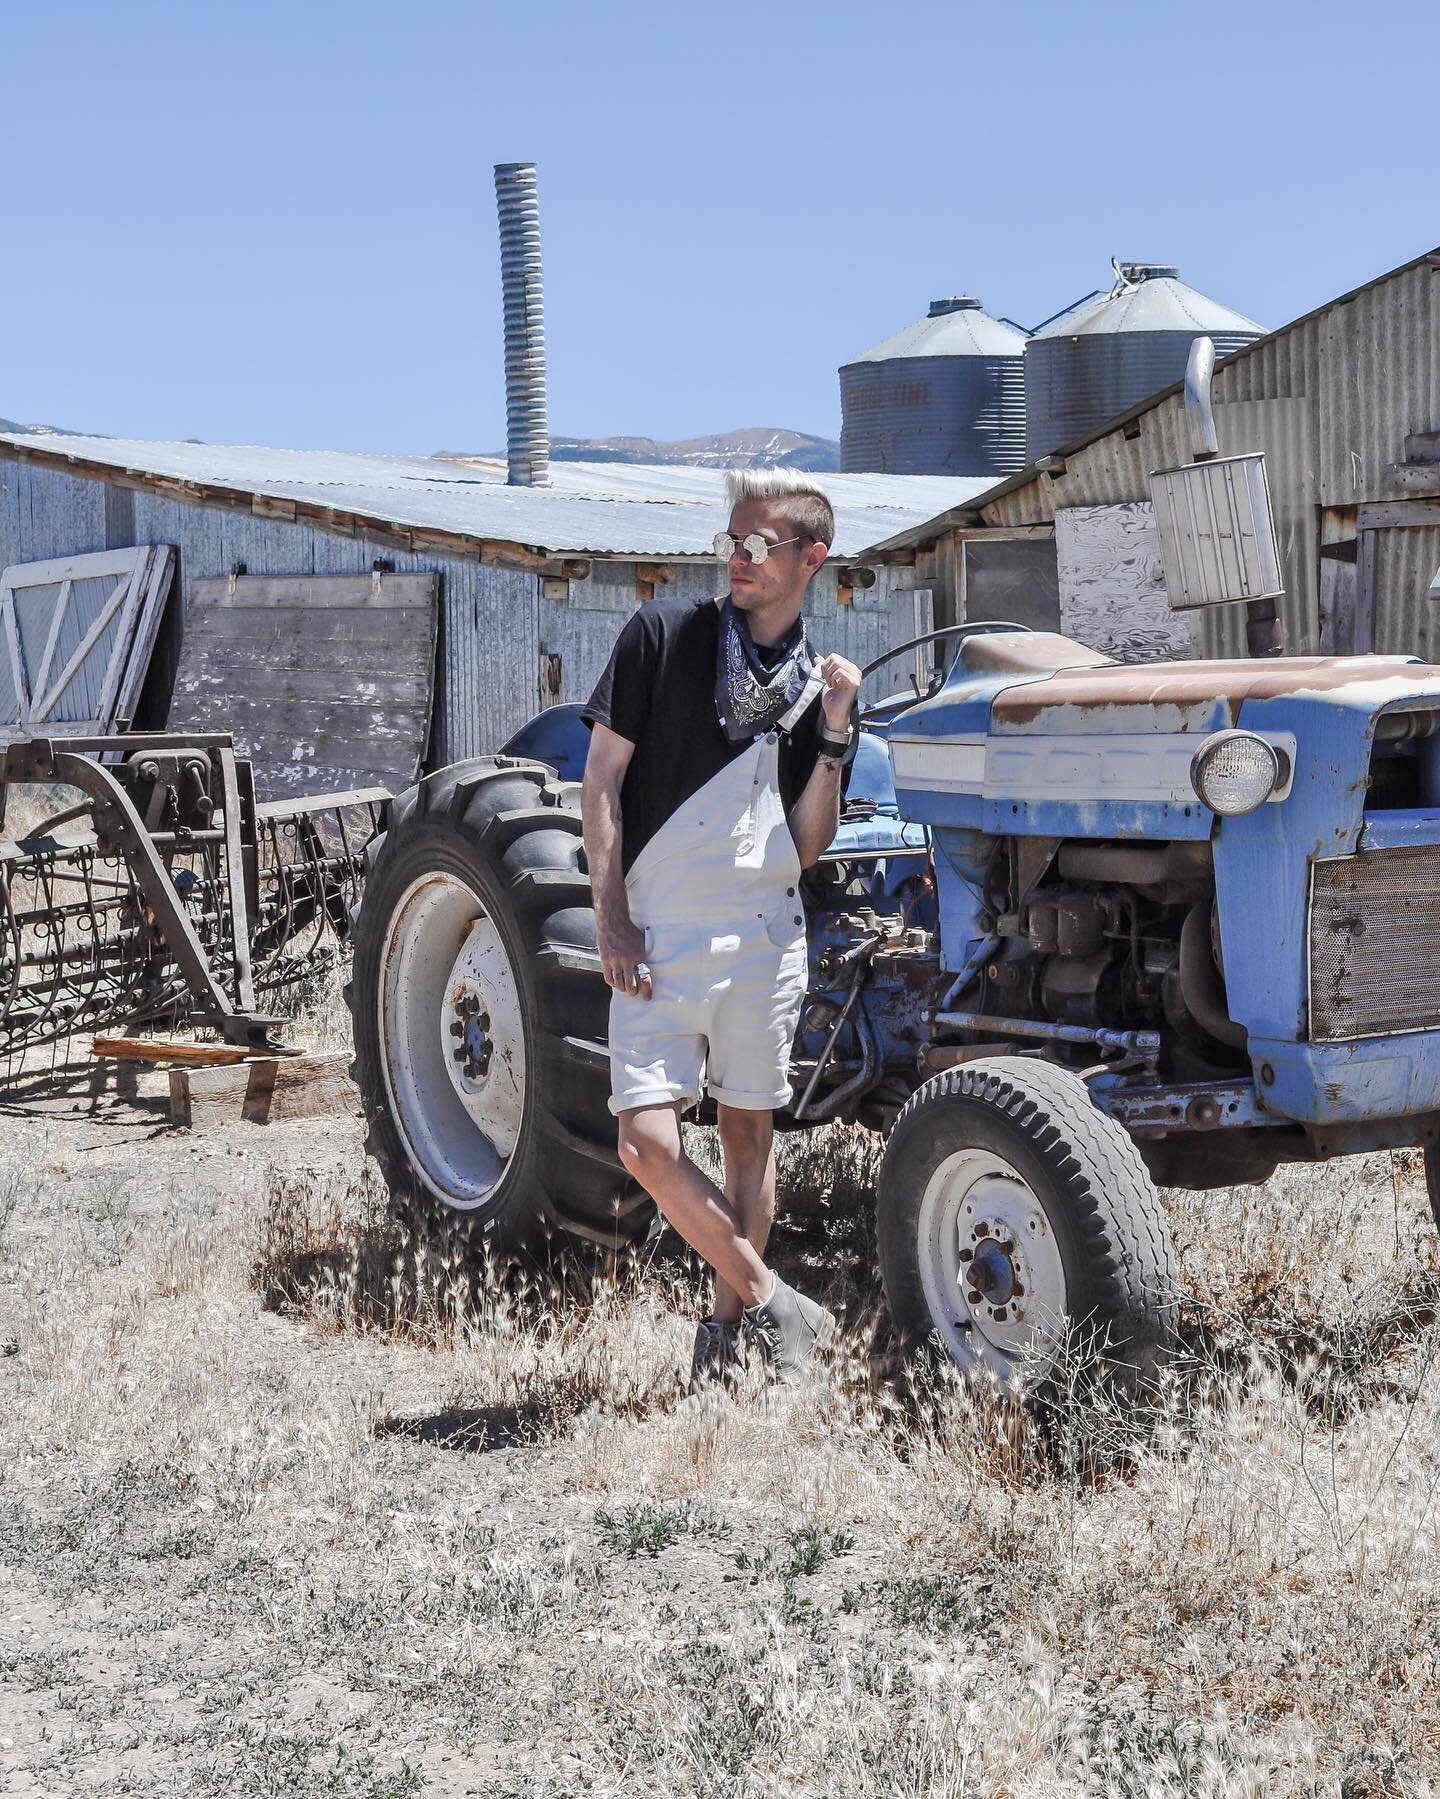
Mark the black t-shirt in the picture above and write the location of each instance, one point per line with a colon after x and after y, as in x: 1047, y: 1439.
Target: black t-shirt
x: 658, y: 692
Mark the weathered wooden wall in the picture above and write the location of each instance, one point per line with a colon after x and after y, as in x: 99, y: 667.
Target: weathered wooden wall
x: 325, y: 681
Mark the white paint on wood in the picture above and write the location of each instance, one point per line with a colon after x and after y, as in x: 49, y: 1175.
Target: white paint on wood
x: 1112, y: 586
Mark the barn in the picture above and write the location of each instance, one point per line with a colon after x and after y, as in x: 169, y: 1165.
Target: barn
x: 355, y: 619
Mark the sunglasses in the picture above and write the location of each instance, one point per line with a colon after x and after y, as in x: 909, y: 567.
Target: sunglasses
x: 754, y: 546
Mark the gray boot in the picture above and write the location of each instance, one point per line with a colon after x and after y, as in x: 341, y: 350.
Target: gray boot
x: 717, y: 1352
x: 787, y: 1329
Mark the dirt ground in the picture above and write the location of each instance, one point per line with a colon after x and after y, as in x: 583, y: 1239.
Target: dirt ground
x: 279, y: 1515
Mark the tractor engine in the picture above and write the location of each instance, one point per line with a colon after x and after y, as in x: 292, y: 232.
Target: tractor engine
x: 1110, y: 937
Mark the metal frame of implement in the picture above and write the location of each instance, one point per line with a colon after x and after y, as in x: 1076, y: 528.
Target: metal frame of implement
x: 181, y: 895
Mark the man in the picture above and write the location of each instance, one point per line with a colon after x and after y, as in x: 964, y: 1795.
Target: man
x: 718, y: 745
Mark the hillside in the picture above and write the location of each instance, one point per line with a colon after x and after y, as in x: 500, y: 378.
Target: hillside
x: 754, y: 446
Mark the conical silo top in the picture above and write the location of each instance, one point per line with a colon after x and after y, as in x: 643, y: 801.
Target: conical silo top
x: 1150, y: 296
x: 956, y: 326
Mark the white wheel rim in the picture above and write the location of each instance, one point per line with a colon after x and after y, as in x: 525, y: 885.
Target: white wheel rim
x: 991, y: 1269
x: 452, y: 1040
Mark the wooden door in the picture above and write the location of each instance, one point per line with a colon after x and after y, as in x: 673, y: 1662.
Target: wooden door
x: 75, y: 639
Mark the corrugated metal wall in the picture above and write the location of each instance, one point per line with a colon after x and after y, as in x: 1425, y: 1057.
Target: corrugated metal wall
x: 582, y: 629
x: 1405, y: 564
x: 1330, y: 401
x: 493, y: 625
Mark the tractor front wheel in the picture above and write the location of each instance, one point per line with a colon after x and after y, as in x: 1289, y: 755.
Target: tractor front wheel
x: 1019, y: 1229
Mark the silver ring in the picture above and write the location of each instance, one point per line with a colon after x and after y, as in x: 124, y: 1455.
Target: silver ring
x: 642, y: 971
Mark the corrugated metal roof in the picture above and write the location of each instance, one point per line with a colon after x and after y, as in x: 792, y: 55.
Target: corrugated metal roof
x: 967, y: 331
x: 602, y: 509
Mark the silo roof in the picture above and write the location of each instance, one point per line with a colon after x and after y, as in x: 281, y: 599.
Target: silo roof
x: 966, y: 331
x: 1163, y: 303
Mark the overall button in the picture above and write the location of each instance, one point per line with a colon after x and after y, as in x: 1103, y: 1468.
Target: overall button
x: 771, y: 737
x: 789, y: 893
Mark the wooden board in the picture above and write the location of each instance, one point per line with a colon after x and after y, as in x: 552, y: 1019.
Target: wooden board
x: 1112, y: 587
x: 263, y: 1091
x: 325, y: 681
x: 76, y: 637
x: 169, y: 1049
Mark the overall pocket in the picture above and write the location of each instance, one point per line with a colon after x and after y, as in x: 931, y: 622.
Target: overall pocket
x: 785, y: 926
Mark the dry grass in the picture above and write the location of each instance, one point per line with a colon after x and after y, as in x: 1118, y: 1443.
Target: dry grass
x: 289, y: 1507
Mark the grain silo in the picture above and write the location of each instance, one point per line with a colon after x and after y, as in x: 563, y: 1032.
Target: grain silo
x: 945, y: 396
x: 1112, y: 351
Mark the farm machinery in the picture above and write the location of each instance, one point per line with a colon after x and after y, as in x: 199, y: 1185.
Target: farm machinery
x: 1087, y: 928
x: 160, y: 891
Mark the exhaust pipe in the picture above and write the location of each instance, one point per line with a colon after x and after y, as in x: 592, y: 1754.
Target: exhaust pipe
x: 527, y: 436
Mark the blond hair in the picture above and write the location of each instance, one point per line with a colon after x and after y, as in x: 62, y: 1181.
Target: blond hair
x: 804, y: 506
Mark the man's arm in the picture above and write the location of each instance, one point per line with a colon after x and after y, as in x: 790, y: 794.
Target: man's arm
x: 621, y: 944
x: 816, y: 816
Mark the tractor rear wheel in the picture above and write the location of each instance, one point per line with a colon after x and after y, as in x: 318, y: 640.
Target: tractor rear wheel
x: 480, y: 1013
x: 1018, y: 1228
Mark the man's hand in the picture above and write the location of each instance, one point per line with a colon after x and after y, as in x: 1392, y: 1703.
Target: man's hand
x: 842, y: 683
x: 622, y: 956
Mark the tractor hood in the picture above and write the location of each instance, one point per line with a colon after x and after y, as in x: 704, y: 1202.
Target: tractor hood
x: 1035, y: 733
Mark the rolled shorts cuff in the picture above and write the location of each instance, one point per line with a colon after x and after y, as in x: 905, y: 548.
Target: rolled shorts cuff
x: 651, y: 1096
x: 750, y: 1102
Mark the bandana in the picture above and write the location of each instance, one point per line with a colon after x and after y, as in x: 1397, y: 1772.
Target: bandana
x: 749, y: 697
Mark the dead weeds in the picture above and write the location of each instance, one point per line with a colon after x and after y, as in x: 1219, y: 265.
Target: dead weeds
x: 290, y: 1503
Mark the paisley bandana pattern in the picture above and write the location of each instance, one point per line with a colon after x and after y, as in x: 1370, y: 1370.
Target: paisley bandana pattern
x: 749, y: 697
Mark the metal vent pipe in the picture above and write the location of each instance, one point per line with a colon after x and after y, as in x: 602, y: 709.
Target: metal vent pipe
x: 527, y: 438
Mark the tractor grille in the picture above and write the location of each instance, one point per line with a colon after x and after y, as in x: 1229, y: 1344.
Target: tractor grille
x: 1375, y: 944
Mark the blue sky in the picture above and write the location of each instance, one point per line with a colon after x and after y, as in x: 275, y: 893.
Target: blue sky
x: 275, y: 224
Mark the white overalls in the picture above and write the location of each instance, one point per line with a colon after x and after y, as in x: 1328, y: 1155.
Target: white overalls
x: 717, y: 892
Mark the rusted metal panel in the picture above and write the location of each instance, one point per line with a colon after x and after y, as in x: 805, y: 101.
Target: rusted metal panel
x: 1375, y: 944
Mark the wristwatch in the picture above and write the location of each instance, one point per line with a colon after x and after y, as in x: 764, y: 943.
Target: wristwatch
x: 836, y: 740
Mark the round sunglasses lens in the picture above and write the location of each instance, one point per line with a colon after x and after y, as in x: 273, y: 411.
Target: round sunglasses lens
x: 724, y: 546
x: 756, y: 547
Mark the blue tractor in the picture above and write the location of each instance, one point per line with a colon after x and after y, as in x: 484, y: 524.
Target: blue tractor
x: 1087, y: 928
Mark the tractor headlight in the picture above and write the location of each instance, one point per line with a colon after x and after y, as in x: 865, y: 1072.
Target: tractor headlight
x: 1233, y: 772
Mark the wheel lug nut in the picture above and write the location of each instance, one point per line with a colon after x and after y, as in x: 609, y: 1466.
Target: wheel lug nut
x: 457, y: 1029
x: 974, y: 1298
x: 1000, y: 1314
x: 967, y: 1255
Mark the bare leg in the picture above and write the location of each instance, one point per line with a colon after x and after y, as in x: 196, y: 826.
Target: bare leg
x: 651, y: 1150
x: 747, y: 1144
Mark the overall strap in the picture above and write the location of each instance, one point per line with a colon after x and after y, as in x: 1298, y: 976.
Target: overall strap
x: 813, y: 684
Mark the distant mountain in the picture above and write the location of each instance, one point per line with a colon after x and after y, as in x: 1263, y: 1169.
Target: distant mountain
x: 20, y: 430
x: 757, y: 446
